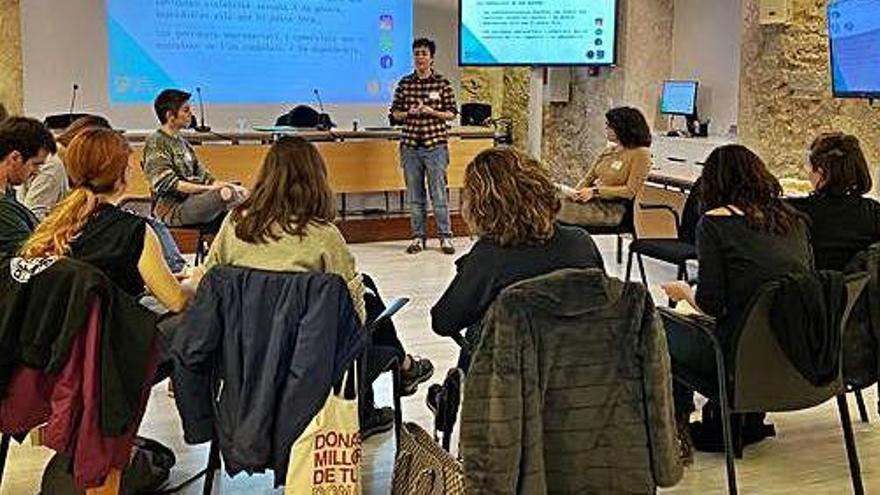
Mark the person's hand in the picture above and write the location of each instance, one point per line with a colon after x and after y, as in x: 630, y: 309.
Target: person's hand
x: 678, y: 291
x: 584, y: 195
x: 415, y: 109
x: 427, y: 110
x: 240, y: 191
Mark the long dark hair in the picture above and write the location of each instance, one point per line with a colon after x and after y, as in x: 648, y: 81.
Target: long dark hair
x: 734, y: 175
x: 291, y: 191
x: 840, y: 160
x: 630, y: 126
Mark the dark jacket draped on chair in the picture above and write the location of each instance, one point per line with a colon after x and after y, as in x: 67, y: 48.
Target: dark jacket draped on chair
x: 255, y: 358
x: 570, y: 391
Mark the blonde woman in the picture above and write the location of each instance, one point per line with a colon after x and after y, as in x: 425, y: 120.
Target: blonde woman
x: 510, y: 205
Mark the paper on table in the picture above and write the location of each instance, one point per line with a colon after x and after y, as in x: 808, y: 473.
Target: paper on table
x: 685, y: 308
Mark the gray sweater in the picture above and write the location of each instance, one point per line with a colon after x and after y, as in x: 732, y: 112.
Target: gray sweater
x: 46, y: 188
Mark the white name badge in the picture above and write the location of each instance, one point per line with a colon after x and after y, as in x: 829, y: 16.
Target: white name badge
x: 617, y: 165
x: 434, y: 95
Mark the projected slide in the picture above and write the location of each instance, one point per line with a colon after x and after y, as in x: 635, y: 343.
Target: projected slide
x: 537, y: 32
x: 854, y: 27
x: 259, y: 51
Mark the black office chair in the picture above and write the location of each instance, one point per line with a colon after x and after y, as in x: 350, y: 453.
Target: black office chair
x: 678, y: 250
x: 627, y: 226
x: 862, y: 346
x: 305, y: 116
x: 60, y: 121
x: 759, y: 377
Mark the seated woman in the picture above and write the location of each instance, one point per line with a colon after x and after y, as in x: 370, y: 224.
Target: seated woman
x: 842, y: 221
x: 88, y: 226
x: 510, y: 204
x: 50, y: 185
x: 617, y: 175
x: 286, y: 224
x: 747, y: 237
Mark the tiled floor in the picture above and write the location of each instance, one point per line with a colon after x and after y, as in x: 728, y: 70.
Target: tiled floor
x: 806, y: 457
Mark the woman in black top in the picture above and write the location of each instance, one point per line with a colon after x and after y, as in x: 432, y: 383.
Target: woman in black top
x: 88, y: 226
x: 842, y: 221
x: 510, y: 203
x: 749, y: 236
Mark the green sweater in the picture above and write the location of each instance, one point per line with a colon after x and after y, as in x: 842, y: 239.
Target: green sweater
x: 321, y: 249
x: 16, y: 224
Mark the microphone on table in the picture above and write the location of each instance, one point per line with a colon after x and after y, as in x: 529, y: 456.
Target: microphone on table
x: 73, y: 100
x: 203, y: 127
x: 324, y: 123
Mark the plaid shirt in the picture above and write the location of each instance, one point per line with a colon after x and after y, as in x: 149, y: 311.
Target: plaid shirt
x: 167, y: 161
x: 424, y: 131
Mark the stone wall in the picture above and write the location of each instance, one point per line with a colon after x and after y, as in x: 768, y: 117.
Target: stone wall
x: 785, y: 91
x: 506, y: 89
x: 11, y: 86
x: 574, y: 132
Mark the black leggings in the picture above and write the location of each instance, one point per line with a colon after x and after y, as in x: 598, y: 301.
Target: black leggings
x: 693, y: 362
x: 384, y: 345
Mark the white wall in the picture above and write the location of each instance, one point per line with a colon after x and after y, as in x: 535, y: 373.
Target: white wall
x: 65, y: 41
x: 706, y: 47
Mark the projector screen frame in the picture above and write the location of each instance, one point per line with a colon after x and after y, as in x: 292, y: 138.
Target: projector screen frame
x: 854, y: 95
x: 612, y: 63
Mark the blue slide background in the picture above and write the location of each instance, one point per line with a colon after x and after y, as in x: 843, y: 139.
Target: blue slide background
x: 679, y: 97
x: 854, y: 27
x: 267, y: 51
x: 538, y: 32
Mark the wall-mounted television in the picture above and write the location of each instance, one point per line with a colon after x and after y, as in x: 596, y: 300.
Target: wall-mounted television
x: 854, y: 39
x: 679, y: 98
x: 537, y: 32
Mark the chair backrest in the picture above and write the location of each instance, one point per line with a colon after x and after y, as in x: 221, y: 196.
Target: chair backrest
x: 60, y: 121
x: 764, y: 379
x: 862, y: 345
x: 628, y: 222
x: 300, y: 116
x: 691, y: 213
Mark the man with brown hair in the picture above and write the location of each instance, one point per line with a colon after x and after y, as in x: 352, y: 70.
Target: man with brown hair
x: 24, y: 145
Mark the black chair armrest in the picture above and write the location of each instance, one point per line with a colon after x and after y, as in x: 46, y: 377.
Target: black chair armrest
x: 693, y: 322
x: 666, y: 208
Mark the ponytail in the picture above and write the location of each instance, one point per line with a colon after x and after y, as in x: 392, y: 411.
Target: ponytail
x: 96, y: 161
x: 54, y: 234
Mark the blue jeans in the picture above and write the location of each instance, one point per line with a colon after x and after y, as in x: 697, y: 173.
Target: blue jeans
x: 419, y: 164
x: 169, y: 248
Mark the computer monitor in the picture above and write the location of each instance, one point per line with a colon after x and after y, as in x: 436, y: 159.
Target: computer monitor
x: 679, y: 98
